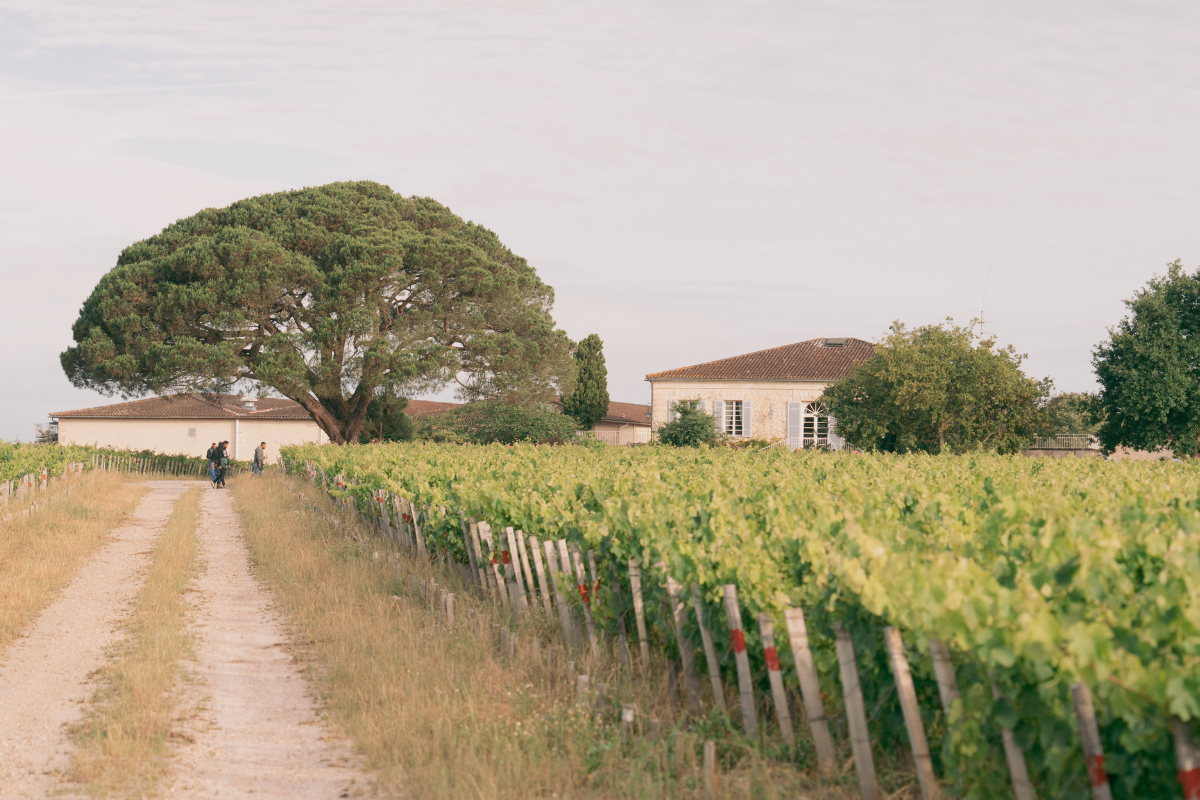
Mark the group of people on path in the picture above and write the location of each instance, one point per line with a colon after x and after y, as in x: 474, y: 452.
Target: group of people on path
x: 218, y: 462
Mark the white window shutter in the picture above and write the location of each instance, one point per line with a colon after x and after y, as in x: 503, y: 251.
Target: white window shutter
x: 835, y: 441
x: 794, y: 423
x: 670, y: 411
x: 700, y: 404
x: 719, y: 414
x: 747, y: 419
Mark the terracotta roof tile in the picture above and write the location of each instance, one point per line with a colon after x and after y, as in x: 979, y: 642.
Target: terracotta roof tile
x: 192, y: 406
x: 635, y: 413
x: 419, y: 409
x: 813, y: 360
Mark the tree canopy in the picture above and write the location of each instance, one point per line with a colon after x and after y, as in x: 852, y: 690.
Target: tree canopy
x: 589, y: 402
x: 332, y: 296
x: 1149, y: 369
x: 938, y: 388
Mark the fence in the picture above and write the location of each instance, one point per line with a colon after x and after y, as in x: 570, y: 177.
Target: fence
x: 555, y: 580
x: 639, y: 434
x: 21, y: 489
x: 1083, y: 441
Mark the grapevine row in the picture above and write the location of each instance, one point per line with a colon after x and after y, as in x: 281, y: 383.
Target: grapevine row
x: 1038, y: 578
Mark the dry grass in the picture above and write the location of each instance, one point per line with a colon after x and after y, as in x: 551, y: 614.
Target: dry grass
x: 42, y: 552
x: 121, y: 746
x: 439, y: 714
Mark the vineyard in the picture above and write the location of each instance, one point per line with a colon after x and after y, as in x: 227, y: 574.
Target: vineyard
x: 1019, y: 626
x: 25, y: 468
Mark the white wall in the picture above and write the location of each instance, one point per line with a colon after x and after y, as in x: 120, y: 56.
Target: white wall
x: 171, y: 436
x: 769, y: 400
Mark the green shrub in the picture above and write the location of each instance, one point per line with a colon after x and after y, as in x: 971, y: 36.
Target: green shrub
x: 487, y: 421
x: 691, y: 427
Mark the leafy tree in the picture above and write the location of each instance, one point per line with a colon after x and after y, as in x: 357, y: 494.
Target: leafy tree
x: 1073, y: 412
x: 938, y: 388
x: 386, y: 421
x: 589, y: 402
x: 331, y: 296
x: 1149, y: 369
x: 487, y: 421
x: 691, y: 427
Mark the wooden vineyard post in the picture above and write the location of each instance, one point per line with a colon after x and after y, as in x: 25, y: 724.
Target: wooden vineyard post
x: 639, y: 613
x: 466, y: 530
x: 524, y: 554
x: 1187, y: 759
x: 564, y: 618
x: 383, y: 518
x: 416, y: 526
x: 484, y: 582
x: 1018, y: 771
x: 622, y: 633
x: 686, y: 651
x: 577, y: 560
x: 767, y: 631
x: 541, y: 573
x: 711, y: 776
x: 745, y: 683
x: 450, y: 609
x: 810, y: 690
x: 710, y: 651
x: 568, y: 576
x: 515, y: 562
x: 485, y: 530
x: 912, y: 714
x: 1089, y: 734
x: 856, y: 716
x: 943, y: 670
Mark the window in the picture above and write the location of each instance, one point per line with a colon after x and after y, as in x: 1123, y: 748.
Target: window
x: 191, y: 433
x: 733, y: 417
x: 816, y: 425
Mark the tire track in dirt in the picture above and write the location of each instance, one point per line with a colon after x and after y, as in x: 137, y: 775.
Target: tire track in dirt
x: 45, y: 677
x: 257, y: 733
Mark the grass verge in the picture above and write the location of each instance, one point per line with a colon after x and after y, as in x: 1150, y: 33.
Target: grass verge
x: 121, y: 745
x: 42, y: 552
x: 439, y: 713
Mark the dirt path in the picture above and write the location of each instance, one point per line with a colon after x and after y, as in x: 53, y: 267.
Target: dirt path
x: 45, y: 676
x: 258, y: 734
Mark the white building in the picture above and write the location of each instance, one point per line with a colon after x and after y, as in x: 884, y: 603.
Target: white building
x: 187, y: 424
x: 770, y: 394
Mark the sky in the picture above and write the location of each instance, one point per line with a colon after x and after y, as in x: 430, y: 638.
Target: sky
x: 695, y: 180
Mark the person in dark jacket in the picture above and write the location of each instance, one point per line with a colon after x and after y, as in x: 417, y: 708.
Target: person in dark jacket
x: 211, y: 456
x: 222, y: 463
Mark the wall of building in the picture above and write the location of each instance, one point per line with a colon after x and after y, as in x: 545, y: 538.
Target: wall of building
x: 190, y: 437
x: 768, y: 400
x: 621, y: 432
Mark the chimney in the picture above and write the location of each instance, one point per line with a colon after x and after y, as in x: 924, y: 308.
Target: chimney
x: 250, y: 403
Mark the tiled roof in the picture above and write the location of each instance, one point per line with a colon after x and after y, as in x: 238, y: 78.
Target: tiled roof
x: 419, y: 409
x: 192, y: 406
x: 635, y: 413
x: 814, y: 360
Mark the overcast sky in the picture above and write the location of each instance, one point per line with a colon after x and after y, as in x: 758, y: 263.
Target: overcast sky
x: 696, y: 180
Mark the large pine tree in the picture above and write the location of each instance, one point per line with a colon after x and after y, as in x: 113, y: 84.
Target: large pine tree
x: 589, y: 402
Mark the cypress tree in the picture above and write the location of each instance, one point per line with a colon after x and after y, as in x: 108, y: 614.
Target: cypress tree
x: 589, y: 402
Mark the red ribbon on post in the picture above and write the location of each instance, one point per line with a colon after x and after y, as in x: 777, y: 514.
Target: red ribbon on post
x: 772, y: 658
x: 739, y: 641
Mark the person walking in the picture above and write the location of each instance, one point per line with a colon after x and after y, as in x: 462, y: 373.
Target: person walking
x: 212, y: 456
x: 222, y: 463
x: 260, y: 458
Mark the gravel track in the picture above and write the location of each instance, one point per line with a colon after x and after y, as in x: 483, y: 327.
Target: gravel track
x: 257, y: 734
x: 45, y: 678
